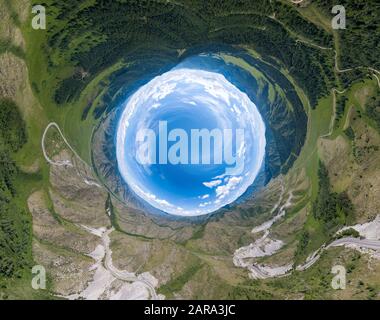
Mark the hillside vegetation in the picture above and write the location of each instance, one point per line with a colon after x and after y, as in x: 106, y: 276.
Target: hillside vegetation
x: 15, y: 227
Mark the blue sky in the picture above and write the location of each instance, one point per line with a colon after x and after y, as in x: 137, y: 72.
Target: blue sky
x: 190, y: 99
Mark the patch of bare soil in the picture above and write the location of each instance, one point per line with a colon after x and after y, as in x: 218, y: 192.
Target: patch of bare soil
x: 33, y: 168
x: 50, y: 229
x: 12, y: 75
x: 8, y: 30
x: 73, y: 198
x: 60, y: 247
x: 69, y: 271
x: 162, y: 258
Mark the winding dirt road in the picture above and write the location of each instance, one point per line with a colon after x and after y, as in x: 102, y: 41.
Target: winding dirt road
x: 347, y: 242
x: 334, y: 91
x: 116, y: 273
x: 55, y: 163
x: 121, y: 274
x: 265, y: 246
x: 108, y: 270
x: 67, y: 163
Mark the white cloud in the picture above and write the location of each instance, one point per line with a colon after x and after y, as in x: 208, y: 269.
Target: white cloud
x: 196, y: 87
x: 212, y: 184
x: 224, y: 190
x: 204, y: 204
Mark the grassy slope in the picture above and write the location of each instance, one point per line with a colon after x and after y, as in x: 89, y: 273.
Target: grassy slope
x: 319, y: 125
x: 68, y: 116
x: 19, y: 287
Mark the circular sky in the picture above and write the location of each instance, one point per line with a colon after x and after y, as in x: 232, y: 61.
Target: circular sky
x: 189, y: 142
